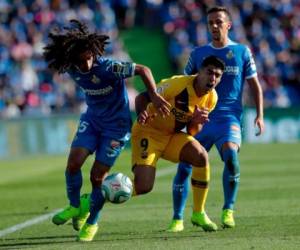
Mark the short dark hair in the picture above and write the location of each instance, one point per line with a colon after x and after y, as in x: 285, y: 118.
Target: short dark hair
x: 218, y: 9
x: 213, y: 60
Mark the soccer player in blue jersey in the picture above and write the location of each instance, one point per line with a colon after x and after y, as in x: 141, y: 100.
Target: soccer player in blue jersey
x: 224, y: 127
x: 105, y: 127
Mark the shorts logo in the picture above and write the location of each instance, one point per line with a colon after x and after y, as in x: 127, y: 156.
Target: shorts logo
x: 235, y: 128
x: 114, y: 149
x: 144, y: 154
x: 114, y: 144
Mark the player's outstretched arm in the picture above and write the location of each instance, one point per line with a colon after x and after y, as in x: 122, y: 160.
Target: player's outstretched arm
x: 158, y: 101
x: 258, y: 99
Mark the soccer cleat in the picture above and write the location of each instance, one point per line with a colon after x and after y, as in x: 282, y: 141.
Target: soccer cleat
x: 201, y: 219
x: 87, y: 232
x: 79, y: 221
x: 227, y: 218
x: 175, y: 226
x: 63, y: 216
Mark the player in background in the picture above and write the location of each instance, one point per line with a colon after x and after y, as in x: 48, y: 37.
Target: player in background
x: 105, y: 127
x: 224, y: 127
x: 154, y: 137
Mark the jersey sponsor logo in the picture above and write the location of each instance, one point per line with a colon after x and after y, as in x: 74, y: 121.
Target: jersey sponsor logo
x: 95, y: 79
x: 230, y: 54
x: 181, y: 116
x: 180, y: 102
x: 232, y: 70
x: 104, y: 91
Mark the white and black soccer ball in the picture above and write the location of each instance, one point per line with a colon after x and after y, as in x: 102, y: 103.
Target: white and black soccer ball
x: 117, y: 188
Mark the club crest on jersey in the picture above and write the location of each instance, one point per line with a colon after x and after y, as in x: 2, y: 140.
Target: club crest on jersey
x: 230, y: 54
x: 95, y: 79
x: 161, y: 88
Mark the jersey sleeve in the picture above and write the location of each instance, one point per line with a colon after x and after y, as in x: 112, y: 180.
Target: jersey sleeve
x: 249, y: 64
x: 190, y: 67
x: 119, y: 70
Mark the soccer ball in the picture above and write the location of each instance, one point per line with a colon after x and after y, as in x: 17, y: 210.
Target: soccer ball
x: 117, y: 188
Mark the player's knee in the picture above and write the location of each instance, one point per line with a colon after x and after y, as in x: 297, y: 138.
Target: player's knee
x: 143, y: 188
x: 73, y: 166
x: 230, y: 158
x: 97, y: 176
x: 96, y: 180
x: 201, y: 159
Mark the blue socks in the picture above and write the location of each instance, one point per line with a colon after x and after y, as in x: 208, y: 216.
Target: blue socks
x: 74, y: 183
x: 181, y: 186
x: 231, y: 177
x: 96, y: 203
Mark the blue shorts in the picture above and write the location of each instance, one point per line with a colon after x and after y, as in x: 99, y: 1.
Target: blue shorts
x: 107, y: 142
x: 218, y: 132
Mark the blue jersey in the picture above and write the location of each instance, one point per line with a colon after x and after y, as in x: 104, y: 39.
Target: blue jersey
x: 239, y: 65
x: 105, y: 90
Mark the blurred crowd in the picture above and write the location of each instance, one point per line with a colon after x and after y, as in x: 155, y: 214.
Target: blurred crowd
x: 271, y: 28
x: 27, y: 87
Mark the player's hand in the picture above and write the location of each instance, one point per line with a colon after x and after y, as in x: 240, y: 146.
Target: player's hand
x: 161, y: 105
x: 200, y: 116
x: 144, y: 117
x: 260, y: 125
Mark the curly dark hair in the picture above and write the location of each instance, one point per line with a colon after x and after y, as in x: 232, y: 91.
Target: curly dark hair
x: 65, y: 45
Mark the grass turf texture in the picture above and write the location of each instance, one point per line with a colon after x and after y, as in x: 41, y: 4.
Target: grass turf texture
x: 267, y: 215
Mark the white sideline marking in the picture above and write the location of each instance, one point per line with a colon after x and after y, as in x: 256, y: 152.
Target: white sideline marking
x: 27, y: 223
x: 165, y: 171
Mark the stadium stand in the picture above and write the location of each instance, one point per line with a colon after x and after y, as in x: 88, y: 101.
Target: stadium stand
x: 28, y: 88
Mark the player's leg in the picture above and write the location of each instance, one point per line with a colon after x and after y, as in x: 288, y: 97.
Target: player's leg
x: 73, y: 176
x: 144, y: 176
x: 89, y: 229
x: 146, y: 148
x: 181, y: 181
x: 83, y: 144
x: 196, y: 155
x: 231, y: 179
x: 109, y: 148
x: 180, y: 190
x: 185, y: 148
x: 228, y: 146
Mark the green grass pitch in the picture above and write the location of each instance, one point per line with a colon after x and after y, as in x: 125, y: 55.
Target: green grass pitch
x: 267, y: 211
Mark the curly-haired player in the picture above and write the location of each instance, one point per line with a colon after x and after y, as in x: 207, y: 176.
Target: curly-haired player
x: 105, y: 127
